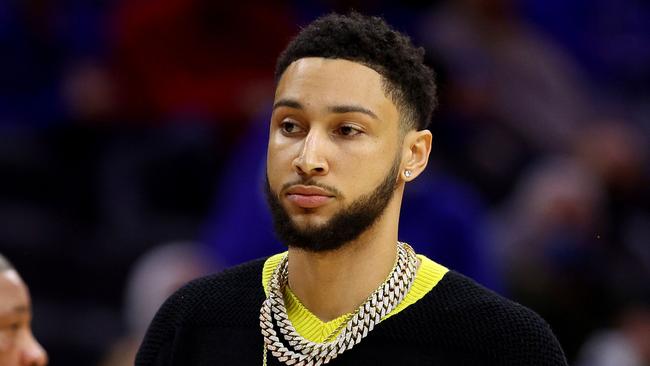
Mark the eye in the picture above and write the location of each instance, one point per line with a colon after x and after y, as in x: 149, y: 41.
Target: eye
x: 289, y: 127
x: 347, y: 130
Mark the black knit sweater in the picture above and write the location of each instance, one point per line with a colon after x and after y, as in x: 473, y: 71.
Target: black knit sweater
x: 215, y: 321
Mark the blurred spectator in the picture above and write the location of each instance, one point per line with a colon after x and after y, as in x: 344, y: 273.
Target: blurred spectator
x: 556, y: 194
x: 152, y: 280
x: 617, y: 152
x: 626, y: 345
x: 508, y: 94
x: 499, y: 64
x: 552, y: 235
x: 18, y: 347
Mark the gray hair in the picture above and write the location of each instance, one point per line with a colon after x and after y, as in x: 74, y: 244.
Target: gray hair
x: 5, y: 265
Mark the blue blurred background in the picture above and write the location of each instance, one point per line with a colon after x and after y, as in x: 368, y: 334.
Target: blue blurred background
x: 132, y: 142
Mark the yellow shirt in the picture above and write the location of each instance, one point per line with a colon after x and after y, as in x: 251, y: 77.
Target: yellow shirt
x: 310, y: 327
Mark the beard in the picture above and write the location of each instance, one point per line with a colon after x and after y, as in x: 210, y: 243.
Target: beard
x: 345, y: 226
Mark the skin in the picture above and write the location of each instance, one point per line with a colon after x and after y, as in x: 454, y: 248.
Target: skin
x: 18, y: 347
x: 333, y: 124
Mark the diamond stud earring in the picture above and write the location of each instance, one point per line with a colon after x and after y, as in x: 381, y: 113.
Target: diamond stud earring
x: 407, y: 173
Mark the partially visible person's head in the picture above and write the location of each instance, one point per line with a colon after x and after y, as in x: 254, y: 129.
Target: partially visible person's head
x: 348, y: 129
x: 18, y: 347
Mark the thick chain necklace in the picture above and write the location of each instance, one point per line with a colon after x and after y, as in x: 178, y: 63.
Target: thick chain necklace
x: 302, y: 352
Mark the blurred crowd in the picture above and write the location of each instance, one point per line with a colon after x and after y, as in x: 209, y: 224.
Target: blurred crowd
x: 132, y: 142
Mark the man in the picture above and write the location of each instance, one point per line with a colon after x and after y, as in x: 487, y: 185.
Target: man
x: 18, y: 347
x: 347, y: 133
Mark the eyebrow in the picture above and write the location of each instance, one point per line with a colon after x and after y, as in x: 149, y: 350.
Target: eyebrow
x: 292, y: 103
x: 21, y: 309
x: 352, y: 109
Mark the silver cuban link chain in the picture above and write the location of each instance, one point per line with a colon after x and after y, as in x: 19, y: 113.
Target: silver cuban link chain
x: 302, y: 352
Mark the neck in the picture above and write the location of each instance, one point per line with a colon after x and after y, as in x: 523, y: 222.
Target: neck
x: 334, y: 283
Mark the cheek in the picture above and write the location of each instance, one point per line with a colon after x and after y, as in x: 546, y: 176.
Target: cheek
x: 279, y: 149
x: 7, y: 342
x: 365, y: 165
x: 275, y: 166
x: 280, y: 156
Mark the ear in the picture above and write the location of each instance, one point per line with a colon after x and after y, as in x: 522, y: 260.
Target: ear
x: 415, y: 154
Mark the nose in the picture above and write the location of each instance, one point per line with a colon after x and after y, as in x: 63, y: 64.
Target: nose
x: 33, y: 353
x: 311, y: 161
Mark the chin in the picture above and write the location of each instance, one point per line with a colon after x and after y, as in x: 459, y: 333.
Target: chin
x: 306, y: 221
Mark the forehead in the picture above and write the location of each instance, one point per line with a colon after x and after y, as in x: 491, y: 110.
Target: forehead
x: 13, y: 293
x: 315, y: 80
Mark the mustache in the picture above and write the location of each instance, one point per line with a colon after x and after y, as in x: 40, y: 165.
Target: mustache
x: 311, y: 182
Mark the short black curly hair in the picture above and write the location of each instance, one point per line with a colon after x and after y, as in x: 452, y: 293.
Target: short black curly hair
x: 370, y: 41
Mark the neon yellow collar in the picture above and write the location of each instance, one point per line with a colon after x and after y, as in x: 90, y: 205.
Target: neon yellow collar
x: 310, y: 327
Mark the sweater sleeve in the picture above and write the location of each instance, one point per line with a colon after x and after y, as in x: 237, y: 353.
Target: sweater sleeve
x: 529, y: 341
x: 497, y: 330
x: 514, y: 334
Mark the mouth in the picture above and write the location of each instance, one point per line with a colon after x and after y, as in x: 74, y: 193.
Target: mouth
x: 308, y: 196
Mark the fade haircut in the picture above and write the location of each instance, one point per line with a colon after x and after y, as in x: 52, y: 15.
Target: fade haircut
x: 5, y: 265
x: 367, y: 40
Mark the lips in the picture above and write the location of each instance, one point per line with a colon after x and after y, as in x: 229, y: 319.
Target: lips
x: 308, y: 196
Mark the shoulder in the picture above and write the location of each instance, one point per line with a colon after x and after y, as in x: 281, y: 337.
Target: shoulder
x: 464, y: 295
x: 479, y: 320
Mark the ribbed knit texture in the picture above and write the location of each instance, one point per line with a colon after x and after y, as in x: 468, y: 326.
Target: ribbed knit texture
x: 310, y: 327
x: 214, y: 321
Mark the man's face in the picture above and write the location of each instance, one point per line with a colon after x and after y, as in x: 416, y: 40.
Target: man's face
x: 17, y: 343
x: 333, y: 154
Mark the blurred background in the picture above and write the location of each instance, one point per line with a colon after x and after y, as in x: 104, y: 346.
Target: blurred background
x: 133, y: 134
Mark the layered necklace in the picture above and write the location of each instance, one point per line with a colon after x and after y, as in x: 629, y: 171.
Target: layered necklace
x: 292, y: 349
